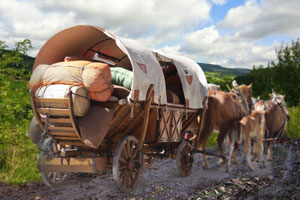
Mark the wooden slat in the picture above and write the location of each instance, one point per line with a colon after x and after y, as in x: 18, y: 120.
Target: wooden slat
x: 53, y: 111
x: 70, y: 142
x: 62, y: 133
x: 57, y: 128
x: 132, y: 124
x: 124, y: 119
x: 50, y: 100
x: 118, y: 117
x: 66, y: 138
x: 58, y: 120
x: 73, y: 164
x: 188, y: 121
x: 175, y: 107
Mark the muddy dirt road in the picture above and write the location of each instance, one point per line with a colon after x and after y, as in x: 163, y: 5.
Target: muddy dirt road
x: 279, y: 180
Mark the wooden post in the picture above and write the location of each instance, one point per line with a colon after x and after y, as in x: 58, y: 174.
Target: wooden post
x: 149, y: 99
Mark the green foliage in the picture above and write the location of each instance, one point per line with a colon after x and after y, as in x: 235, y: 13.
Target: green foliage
x: 287, y: 72
x: 293, y: 126
x: 23, y: 46
x: 18, y: 156
x: 219, y: 78
x: 212, y: 140
x: 281, y: 75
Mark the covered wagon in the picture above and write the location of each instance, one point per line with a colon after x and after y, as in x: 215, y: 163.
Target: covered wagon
x: 143, y: 119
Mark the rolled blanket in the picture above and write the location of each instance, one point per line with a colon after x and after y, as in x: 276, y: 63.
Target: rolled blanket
x: 122, y: 77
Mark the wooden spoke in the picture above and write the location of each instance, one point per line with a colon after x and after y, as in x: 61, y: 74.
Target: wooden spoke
x: 184, y: 159
x: 128, y: 149
x: 126, y: 170
x: 122, y: 160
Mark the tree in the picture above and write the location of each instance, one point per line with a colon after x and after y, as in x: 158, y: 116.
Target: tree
x: 23, y: 46
x: 287, y: 72
x: 17, y: 154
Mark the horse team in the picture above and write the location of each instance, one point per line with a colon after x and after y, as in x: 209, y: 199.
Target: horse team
x: 237, y: 118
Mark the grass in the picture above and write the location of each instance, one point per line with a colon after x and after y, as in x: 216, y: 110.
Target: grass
x: 293, y: 126
x: 212, y: 141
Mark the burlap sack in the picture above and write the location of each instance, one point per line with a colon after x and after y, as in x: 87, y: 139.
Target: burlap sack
x: 36, y: 79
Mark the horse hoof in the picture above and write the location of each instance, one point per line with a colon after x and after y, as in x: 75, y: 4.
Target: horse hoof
x: 222, y: 161
x: 269, y: 159
x: 234, y: 161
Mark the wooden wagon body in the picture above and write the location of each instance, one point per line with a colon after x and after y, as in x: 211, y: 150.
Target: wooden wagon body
x: 144, y: 125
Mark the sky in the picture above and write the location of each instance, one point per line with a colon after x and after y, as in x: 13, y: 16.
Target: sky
x: 231, y: 33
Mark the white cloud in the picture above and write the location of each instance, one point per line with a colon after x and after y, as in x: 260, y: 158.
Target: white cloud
x: 208, y: 45
x: 132, y: 18
x: 153, y: 22
x: 176, y: 27
x: 219, y: 2
x: 201, y: 39
x: 256, y: 20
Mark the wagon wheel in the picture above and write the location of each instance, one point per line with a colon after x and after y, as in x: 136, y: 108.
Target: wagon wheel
x: 127, y: 164
x: 52, y: 179
x: 184, y: 159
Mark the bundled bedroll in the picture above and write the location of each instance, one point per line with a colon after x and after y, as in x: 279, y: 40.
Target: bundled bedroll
x: 80, y: 97
x: 94, y: 76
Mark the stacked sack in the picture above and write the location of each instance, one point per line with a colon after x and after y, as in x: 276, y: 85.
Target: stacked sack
x: 94, y: 76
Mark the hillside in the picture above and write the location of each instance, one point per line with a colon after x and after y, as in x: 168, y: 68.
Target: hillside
x: 217, y: 68
x: 205, y: 66
x: 27, y: 60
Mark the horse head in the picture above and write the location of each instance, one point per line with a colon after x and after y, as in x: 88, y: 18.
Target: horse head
x: 245, y: 92
x: 279, y: 100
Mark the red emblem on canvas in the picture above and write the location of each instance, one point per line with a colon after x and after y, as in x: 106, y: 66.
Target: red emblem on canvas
x: 189, y: 79
x: 143, y: 67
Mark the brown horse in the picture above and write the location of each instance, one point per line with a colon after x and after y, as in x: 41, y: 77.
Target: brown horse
x: 276, y: 117
x: 251, y: 126
x: 224, y: 111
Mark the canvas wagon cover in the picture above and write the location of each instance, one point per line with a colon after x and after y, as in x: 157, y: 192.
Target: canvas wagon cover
x: 146, y: 71
x: 94, y: 42
x: 192, y: 78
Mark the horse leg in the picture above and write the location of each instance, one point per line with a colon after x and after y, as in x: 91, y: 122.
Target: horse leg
x: 269, y: 143
x: 232, y: 148
x: 260, y: 143
x: 220, y: 141
x: 204, y: 135
x: 248, y: 151
x: 256, y: 151
x: 237, y: 142
x: 262, y: 157
x: 233, y: 158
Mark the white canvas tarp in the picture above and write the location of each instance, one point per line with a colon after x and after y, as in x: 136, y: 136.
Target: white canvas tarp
x: 87, y: 41
x: 192, y: 78
x: 146, y: 71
